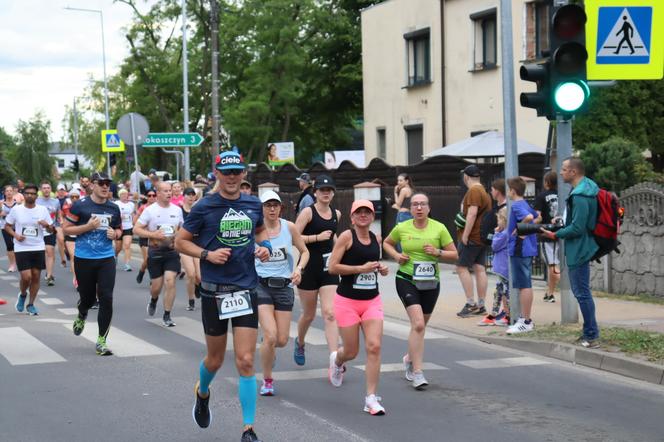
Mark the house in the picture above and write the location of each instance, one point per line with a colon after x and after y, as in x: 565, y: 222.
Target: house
x: 65, y: 156
x: 432, y: 73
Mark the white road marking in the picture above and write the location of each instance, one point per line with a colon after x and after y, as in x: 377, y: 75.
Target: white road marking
x: 68, y: 311
x: 21, y: 348
x: 314, y: 336
x: 51, y: 301
x: 401, y: 330
x: 387, y: 368
x: 8, y: 278
x: 502, y: 362
x: 186, y: 327
x: 295, y: 375
x: 123, y: 344
x: 14, y: 284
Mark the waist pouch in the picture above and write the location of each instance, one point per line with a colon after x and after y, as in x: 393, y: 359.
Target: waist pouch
x: 275, y: 283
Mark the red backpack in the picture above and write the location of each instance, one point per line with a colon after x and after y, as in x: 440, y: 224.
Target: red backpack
x: 609, y: 217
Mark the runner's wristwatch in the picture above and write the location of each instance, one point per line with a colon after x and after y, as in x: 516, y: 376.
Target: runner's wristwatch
x: 204, y: 255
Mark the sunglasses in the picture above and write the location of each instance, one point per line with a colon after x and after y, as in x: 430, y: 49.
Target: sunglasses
x: 74, y: 197
x: 106, y: 183
x: 29, y: 193
x: 228, y: 172
x: 151, y: 195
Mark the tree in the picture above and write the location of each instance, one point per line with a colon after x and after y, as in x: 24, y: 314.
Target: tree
x: 7, y: 173
x: 616, y: 164
x: 30, y: 154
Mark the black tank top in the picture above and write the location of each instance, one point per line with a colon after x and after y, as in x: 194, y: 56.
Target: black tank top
x: 360, y: 286
x: 405, y: 204
x: 318, y: 225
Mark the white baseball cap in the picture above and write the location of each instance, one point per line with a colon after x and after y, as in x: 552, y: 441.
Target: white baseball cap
x: 61, y: 187
x: 269, y: 196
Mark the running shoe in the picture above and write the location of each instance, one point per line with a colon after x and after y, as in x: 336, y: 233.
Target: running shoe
x: 167, y: 321
x: 50, y: 281
x: 201, y: 410
x: 249, y: 436
x: 419, y: 381
x: 487, y: 321
x: 502, y: 322
x: 372, y: 405
x: 298, y: 353
x: 152, y: 307
x: 127, y: 268
x: 79, y: 325
x: 139, y: 276
x: 20, y: 303
x: 550, y: 298
x: 95, y: 306
x: 467, y: 310
x: 590, y: 343
x: 192, y: 305
x: 335, y: 373
x: 408, y: 366
x: 480, y: 311
x: 520, y: 326
x: 267, y: 389
x: 102, y: 348
x: 11, y: 269
x: 32, y: 310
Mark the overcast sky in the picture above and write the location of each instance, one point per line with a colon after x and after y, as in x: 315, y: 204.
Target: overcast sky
x: 47, y: 54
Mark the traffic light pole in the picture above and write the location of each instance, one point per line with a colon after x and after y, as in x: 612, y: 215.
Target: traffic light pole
x: 569, y: 313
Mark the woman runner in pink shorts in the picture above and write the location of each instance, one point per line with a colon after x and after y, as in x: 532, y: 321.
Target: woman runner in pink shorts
x: 357, y: 304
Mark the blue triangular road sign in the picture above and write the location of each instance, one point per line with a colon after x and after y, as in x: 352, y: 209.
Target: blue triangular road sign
x: 625, y: 35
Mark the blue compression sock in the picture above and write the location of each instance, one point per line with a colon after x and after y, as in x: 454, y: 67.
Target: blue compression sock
x: 247, y: 393
x: 205, y: 378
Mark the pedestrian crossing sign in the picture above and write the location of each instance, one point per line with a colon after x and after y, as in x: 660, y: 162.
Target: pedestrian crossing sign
x: 625, y: 39
x: 111, y: 142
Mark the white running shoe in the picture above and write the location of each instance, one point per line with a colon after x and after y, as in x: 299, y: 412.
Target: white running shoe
x: 419, y: 381
x: 520, y: 326
x: 408, y: 366
x: 335, y: 373
x: 372, y: 405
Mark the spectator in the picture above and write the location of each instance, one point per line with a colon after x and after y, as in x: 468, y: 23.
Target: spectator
x: 500, y: 264
x: 245, y: 187
x: 580, y: 246
x: 307, y: 196
x: 546, y: 205
x: 402, y: 193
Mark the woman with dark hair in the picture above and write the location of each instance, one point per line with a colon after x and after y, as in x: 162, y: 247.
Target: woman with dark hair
x: 272, y: 152
x: 402, y: 193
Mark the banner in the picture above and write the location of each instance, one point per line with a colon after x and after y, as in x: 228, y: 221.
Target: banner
x: 335, y: 158
x: 279, y: 154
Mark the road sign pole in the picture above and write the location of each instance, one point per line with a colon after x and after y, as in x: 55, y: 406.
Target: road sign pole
x: 133, y: 143
x: 185, y: 88
x: 569, y: 313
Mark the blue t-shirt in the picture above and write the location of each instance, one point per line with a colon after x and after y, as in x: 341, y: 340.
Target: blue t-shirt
x: 521, y: 246
x: 94, y: 244
x: 221, y: 223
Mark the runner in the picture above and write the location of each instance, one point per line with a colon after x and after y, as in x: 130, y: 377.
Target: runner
x: 230, y: 224
x: 53, y: 207
x: 276, y: 279
x: 425, y: 242
x: 357, y: 304
x: 70, y: 240
x: 61, y: 195
x: 191, y: 265
x: 127, y: 210
x: 318, y: 225
x: 96, y: 223
x: 27, y: 223
x: 177, y: 197
x: 150, y: 195
x: 7, y: 205
x: 159, y: 223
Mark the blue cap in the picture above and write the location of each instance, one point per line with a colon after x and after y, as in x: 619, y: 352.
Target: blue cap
x: 229, y: 160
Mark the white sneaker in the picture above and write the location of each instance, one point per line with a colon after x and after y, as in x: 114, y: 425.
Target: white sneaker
x: 520, y: 326
x: 408, y: 366
x: 372, y: 405
x: 335, y: 373
x: 419, y: 381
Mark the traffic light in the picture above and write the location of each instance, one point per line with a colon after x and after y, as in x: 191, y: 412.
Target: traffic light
x: 538, y: 73
x: 567, y: 41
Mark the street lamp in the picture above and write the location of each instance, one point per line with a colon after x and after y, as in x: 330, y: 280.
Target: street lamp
x: 103, y: 51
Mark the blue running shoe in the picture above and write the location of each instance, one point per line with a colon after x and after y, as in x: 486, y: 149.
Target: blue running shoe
x: 298, y: 353
x: 20, y: 303
x: 32, y: 310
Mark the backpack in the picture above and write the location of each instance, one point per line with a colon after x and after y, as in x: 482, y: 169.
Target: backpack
x: 607, y: 226
x: 488, y: 225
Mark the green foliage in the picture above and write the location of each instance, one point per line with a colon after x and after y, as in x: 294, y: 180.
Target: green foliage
x: 616, y: 163
x: 7, y: 173
x: 30, y: 154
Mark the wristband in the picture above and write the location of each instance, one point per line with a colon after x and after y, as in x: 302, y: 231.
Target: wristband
x: 265, y: 243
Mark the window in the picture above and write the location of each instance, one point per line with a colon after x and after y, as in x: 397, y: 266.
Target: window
x: 537, y: 29
x: 415, y: 143
x: 418, y: 51
x: 485, y: 48
x: 61, y: 163
x: 380, y: 141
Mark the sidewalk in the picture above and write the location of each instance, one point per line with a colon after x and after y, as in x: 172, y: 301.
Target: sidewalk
x: 610, y: 312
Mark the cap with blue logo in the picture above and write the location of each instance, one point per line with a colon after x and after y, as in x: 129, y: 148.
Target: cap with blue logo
x: 229, y: 160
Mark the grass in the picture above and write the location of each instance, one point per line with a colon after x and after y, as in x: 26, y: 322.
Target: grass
x: 637, y: 343
x: 647, y: 298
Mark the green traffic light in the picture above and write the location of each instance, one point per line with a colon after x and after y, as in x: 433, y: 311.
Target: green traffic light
x: 571, y: 95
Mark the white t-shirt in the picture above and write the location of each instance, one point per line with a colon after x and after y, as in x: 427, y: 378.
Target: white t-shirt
x: 126, y: 213
x: 26, y: 223
x: 167, y: 219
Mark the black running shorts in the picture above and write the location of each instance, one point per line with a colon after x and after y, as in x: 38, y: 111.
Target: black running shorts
x: 411, y: 295
x: 30, y: 260
x: 160, y: 262
x: 213, y: 326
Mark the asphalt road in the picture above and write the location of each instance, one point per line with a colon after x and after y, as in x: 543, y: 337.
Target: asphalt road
x: 54, y: 387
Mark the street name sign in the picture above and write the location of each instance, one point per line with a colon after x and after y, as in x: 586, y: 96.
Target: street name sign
x: 173, y: 139
x: 625, y: 39
x: 111, y: 142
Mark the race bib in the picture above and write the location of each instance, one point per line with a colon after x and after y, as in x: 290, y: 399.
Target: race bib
x: 30, y: 231
x: 105, y: 220
x: 234, y: 304
x: 168, y: 229
x: 365, y: 281
x: 424, y: 271
x: 126, y: 218
x: 278, y: 255
x: 326, y: 261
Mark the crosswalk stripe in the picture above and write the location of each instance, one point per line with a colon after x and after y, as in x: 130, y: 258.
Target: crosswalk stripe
x: 68, y: 311
x: 502, y: 362
x: 398, y: 366
x: 296, y: 375
x: 14, y: 284
x: 123, y: 344
x: 51, y: 301
x: 401, y: 331
x: 8, y: 278
x: 314, y: 336
x: 21, y: 348
x: 2, y: 272
x: 186, y: 327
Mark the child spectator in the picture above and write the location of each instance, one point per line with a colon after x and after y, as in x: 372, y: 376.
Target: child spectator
x: 500, y: 262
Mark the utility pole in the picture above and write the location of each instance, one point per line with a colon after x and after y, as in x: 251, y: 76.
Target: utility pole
x: 78, y: 165
x: 185, y: 89
x: 214, y: 23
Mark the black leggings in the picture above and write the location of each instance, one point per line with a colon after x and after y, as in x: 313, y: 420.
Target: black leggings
x: 96, y: 278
